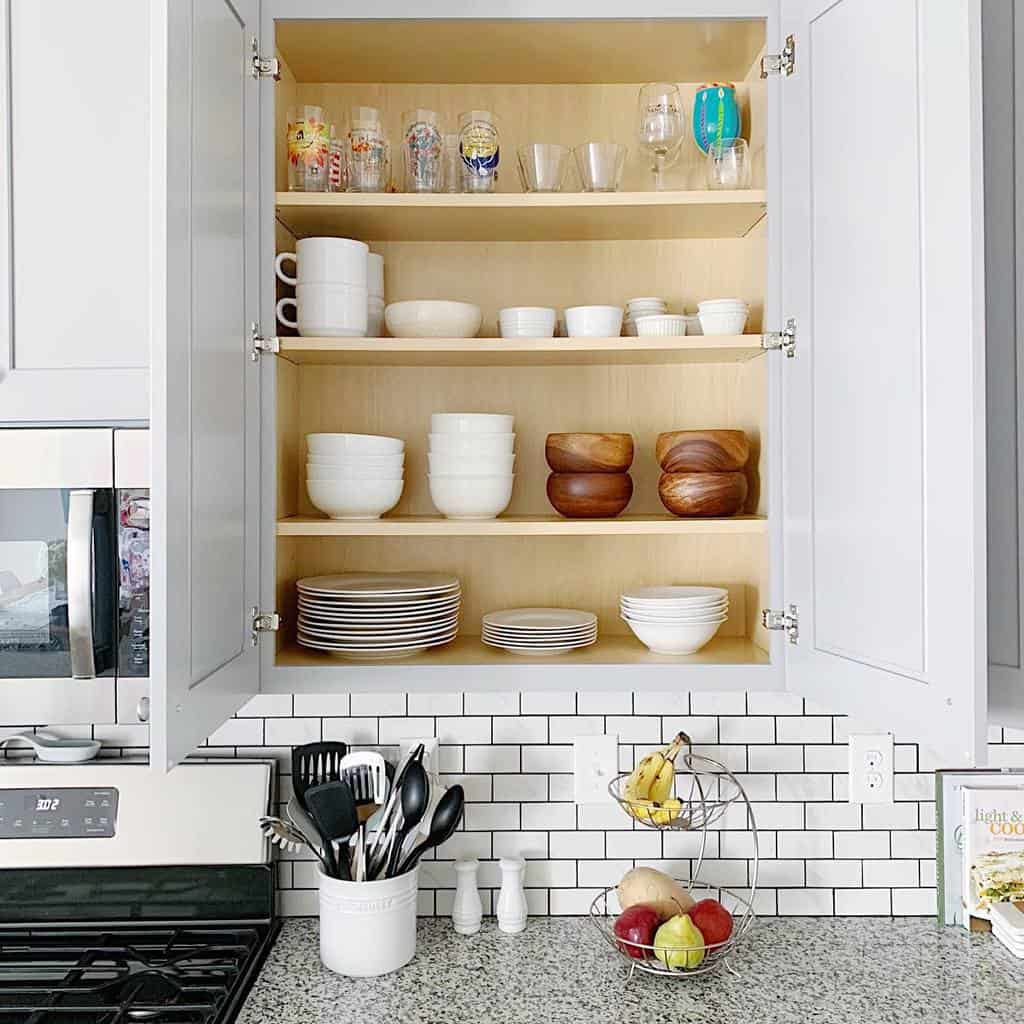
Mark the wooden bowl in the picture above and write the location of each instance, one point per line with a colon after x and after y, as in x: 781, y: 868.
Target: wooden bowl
x: 702, y: 451
x: 703, y: 494
x: 589, y: 495
x: 589, y: 453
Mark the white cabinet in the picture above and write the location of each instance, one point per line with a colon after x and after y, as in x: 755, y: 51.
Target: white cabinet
x: 74, y: 211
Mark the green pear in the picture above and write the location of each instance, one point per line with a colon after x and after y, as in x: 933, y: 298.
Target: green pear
x: 679, y: 943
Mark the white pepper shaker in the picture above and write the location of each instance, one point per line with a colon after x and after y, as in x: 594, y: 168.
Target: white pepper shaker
x: 467, y: 910
x: 512, y: 900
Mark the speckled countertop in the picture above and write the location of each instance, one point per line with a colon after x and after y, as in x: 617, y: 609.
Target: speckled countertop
x: 560, y: 971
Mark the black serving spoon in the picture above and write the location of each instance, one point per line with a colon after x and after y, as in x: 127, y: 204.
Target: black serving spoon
x: 415, y: 797
x: 447, y: 816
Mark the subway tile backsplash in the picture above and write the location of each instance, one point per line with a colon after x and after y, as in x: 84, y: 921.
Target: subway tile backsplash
x: 513, y: 755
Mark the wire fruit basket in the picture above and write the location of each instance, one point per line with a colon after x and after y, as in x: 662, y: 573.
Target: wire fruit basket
x: 704, y: 790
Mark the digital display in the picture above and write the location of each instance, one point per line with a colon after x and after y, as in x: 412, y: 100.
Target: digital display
x: 57, y: 813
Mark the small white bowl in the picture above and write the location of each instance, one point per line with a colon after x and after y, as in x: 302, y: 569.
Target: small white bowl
x: 326, y: 473
x: 662, y: 326
x: 471, y: 497
x: 527, y: 322
x: 593, y: 321
x: 646, y: 301
x: 432, y: 318
x: 444, y: 464
x: 354, y: 499
x: 358, y: 461
x: 712, y: 323
x: 673, y: 639
x: 353, y: 444
x: 716, y: 304
x: 471, y: 423
x: 472, y: 444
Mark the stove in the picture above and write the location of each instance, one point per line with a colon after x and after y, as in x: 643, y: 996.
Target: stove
x: 102, y: 922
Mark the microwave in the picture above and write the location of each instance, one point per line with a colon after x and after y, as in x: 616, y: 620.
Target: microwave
x: 74, y: 572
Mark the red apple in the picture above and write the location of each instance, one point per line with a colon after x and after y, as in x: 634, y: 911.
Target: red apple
x: 712, y: 920
x: 637, y: 924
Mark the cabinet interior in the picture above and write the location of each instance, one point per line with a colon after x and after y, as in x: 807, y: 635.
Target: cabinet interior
x: 545, y: 81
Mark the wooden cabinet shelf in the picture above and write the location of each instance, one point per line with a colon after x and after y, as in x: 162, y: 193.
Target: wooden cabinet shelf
x: 518, y: 217
x: 517, y: 526
x: 520, y: 351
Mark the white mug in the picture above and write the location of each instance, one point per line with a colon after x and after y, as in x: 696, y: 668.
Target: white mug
x: 327, y: 311
x: 325, y: 261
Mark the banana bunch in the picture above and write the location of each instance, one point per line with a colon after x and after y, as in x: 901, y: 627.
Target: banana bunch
x: 648, y: 790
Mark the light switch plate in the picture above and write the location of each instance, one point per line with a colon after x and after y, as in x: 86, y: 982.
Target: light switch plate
x: 595, y: 764
x: 871, y: 768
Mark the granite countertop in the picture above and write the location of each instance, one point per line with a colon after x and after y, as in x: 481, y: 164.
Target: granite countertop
x: 560, y: 971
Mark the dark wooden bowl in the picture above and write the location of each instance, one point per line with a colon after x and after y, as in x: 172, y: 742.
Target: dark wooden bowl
x: 589, y: 453
x: 702, y: 451
x: 589, y: 495
x: 703, y: 494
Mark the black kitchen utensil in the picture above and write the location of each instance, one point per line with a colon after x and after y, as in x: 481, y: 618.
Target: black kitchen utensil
x: 332, y: 807
x: 447, y: 816
x: 313, y: 763
x: 376, y: 854
x: 415, y: 796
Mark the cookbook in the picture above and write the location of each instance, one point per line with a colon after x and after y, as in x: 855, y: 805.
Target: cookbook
x: 993, y: 867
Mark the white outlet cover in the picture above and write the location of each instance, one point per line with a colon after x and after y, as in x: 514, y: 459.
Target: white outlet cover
x: 871, y: 768
x: 595, y: 764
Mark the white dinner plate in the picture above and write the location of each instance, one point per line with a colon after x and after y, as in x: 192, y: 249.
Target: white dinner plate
x: 376, y: 637
x: 362, y: 645
x: 416, y: 609
x: 377, y: 584
x: 329, y: 622
x: 540, y: 618
x: 377, y: 653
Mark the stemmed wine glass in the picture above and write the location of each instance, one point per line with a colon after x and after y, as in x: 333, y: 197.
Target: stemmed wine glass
x: 662, y: 124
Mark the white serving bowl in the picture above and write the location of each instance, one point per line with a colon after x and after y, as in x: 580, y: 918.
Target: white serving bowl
x: 358, y: 461
x: 471, y: 497
x: 675, y: 620
x: 593, y: 321
x: 432, y: 318
x: 471, y: 423
x: 444, y: 464
x: 673, y: 639
x: 333, y: 473
x: 472, y: 444
x: 661, y: 326
x: 723, y: 323
x: 527, y: 322
x: 353, y: 444
x: 354, y: 499
x: 681, y: 594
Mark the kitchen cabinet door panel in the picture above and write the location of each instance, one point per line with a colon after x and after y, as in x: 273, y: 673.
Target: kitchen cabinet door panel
x: 205, y: 403
x: 884, y: 402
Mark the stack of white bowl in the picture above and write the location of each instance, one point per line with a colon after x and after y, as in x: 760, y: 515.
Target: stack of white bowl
x: 471, y: 462
x: 526, y: 322
x: 674, y: 620
x: 723, y: 316
x: 354, y: 476
x: 644, y: 306
x: 375, y: 295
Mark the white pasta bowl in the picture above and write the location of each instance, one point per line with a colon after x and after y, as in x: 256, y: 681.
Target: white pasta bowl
x: 661, y: 638
x: 432, y: 318
x: 712, y: 323
x: 367, y: 462
x: 472, y: 444
x: 353, y: 444
x: 471, y: 423
x: 442, y: 464
x: 331, y: 473
x: 593, y: 321
x: 471, y: 497
x: 354, y: 499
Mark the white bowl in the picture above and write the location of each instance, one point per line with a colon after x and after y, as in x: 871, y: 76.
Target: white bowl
x: 527, y: 322
x: 354, y: 499
x: 471, y: 497
x: 353, y: 444
x: 673, y: 639
x: 358, y: 461
x: 718, y: 304
x: 662, y: 326
x: 593, y: 321
x: 723, y: 323
x: 472, y: 444
x: 471, y: 423
x: 646, y: 301
x: 674, y: 620
x: 445, y: 464
x: 333, y: 473
x: 432, y: 318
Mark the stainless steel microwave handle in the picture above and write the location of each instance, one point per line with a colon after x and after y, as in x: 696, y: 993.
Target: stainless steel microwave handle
x: 79, y: 570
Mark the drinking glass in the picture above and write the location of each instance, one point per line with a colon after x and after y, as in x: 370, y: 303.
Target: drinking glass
x: 728, y: 164
x: 367, y: 152
x: 600, y: 165
x: 662, y: 124
x: 336, y: 170
x: 542, y: 166
x: 478, y: 148
x: 422, y: 148
x: 452, y: 163
x: 309, y: 140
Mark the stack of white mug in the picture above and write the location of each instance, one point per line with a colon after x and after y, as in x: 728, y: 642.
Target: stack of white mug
x: 332, y: 297
x: 375, y: 286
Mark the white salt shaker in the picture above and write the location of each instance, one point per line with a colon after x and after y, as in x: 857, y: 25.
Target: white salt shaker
x: 512, y: 899
x: 467, y: 910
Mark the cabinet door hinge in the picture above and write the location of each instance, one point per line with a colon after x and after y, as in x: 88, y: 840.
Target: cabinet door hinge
x: 263, y: 67
x: 780, y: 63
x: 260, y: 344
x: 784, y: 340
x: 263, y: 622
x: 789, y: 620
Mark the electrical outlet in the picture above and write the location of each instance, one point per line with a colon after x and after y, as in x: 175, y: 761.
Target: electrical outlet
x: 595, y: 764
x: 871, y: 768
x: 429, y: 751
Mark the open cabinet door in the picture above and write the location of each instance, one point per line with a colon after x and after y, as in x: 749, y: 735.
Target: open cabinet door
x: 884, y: 417
x: 205, y: 425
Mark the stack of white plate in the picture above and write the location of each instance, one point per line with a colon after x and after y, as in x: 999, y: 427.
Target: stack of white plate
x: 674, y: 620
x: 644, y: 306
x: 375, y: 615
x: 354, y: 476
x: 471, y: 462
x: 539, y: 630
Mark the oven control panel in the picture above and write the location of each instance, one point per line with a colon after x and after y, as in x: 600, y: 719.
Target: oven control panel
x: 64, y: 813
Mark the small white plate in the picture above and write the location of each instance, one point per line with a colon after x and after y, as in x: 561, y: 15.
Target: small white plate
x: 540, y: 618
x: 538, y: 651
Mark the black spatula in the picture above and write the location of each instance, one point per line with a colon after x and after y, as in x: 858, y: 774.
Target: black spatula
x: 332, y: 807
x: 313, y: 763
